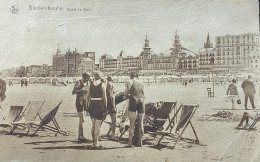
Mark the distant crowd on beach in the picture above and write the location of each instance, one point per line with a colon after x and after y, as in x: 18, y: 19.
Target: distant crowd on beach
x: 184, y: 80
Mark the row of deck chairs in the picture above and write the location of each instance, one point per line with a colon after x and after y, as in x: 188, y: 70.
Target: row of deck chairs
x: 29, y: 117
x: 159, y: 123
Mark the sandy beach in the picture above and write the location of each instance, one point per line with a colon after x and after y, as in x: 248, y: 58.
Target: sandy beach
x: 219, y: 139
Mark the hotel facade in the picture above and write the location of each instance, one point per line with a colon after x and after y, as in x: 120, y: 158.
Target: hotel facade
x: 180, y: 60
x: 72, y: 63
x: 232, y: 53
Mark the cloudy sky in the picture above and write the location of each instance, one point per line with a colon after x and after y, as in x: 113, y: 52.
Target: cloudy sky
x: 32, y: 36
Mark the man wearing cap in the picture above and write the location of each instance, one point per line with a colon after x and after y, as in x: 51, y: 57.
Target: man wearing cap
x: 81, y: 88
x: 249, y: 90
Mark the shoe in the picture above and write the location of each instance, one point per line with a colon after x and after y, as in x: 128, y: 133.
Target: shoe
x: 246, y: 108
x: 82, y: 139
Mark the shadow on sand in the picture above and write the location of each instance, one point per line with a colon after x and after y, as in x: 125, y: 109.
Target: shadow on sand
x: 84, y: 147
x: 58, y: 141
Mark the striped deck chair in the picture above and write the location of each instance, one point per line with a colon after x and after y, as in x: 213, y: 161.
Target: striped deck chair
x: 187, y: 112
x: 50, y: 117
x: 28, y: 116
x: 13, y: 114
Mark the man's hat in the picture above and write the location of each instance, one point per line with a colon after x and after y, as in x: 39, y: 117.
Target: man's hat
x: 85, y: 75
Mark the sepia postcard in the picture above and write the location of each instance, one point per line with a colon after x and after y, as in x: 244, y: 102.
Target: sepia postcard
x: 121, y: 80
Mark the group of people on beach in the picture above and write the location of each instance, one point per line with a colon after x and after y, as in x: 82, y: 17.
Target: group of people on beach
x: 97, y: 97
x: 248, y: 88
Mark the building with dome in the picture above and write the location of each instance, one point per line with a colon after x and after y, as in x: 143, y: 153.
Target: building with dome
x: 72, y: 63
x: 180, y: 60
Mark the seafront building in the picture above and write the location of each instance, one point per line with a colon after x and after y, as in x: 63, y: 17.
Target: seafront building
x: 72, y: 63
x: 233, y: 53
x: 180, y: 60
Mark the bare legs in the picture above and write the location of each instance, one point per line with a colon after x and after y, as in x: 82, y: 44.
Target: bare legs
x: 141, y: 128
x: 96, y: 124
x: 81, y: 121
x: 233, y: 103
x: 113, y: 125
x: 132, y: 117
x: 245, y: 117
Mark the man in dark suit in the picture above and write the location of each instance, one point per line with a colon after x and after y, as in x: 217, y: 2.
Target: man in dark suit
x: 249, y: 90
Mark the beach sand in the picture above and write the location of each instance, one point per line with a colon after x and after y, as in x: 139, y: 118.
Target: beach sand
x: 219, y: 139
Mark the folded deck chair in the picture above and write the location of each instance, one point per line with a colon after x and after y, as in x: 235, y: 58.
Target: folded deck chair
x: 187, y: 112
x: 13, y: 114
x: 50, y: 117
x: 29, y: 114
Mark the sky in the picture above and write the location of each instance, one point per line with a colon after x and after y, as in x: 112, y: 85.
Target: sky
x: 32, y: 36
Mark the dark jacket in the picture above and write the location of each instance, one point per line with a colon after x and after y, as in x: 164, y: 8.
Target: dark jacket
x: 248, y: 87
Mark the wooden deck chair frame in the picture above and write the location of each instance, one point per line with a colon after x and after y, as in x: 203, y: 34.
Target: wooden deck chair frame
x: 255, y: 120
x: 50, y: 117
x: 188, y: 122
x: 24, y: 113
